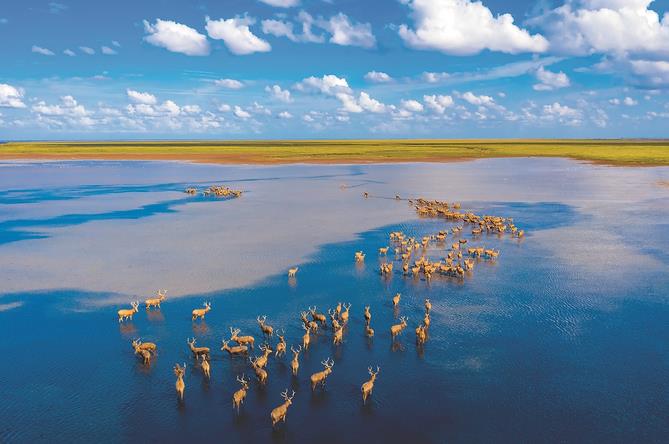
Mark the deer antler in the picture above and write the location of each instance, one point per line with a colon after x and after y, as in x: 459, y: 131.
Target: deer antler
x: 291, y: 396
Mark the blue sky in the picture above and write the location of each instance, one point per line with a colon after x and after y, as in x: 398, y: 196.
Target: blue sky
x: 255, y: 69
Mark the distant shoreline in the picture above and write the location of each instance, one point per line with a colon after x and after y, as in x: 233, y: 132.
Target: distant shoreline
x: 625, y: 152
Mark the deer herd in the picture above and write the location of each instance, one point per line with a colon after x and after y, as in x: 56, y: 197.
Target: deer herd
x: 337, y: 319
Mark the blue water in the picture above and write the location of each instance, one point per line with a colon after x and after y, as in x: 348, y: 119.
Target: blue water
x: 562, y: 339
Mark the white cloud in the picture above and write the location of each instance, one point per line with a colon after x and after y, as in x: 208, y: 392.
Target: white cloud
x: 69, y: 53
x: 236, y: 35
x: 285, y: 115
x: 329, y: 85
x: 141, y: 97
x: 11, y: 97
x: 278, y: 28
x: 87, y: 50
x: 438, y: 103
x: 378, y: 77
x: 412, y: 105
x: 346, y: 33
x: 434, y: 77
x: 229, y: 83
x: 630, y: 101
x: 349, y: 104
x: 115, y: 43
x: 191, y: 109
x: 282, y: 3
x: 176, y: 37
x: 106, y: 50
x: 369, y: 104
x: 652, y: 72
x: 561, y: 111
x: 463, y: 27
x: 43, y: 51
x: 68, y: 107
x: 278, y: 93
x: 615, y: 102
x: 225, y: 108
x: 549, y: 81
x: 238, y: 112
x: 308, y: 22
x: 481, y: 100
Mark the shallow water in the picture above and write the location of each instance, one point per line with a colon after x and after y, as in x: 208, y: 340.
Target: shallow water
x: 564, y: 338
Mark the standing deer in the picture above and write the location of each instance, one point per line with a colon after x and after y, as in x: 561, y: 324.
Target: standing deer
x: 149, y: 346
x: 295, y: 363
x: 368, y: 386
x: 127, y: 313
x: 261, y: 373
x: 239, y: 395
x: 155, y: 302
x: 306, y: 338
x: 397, y: 328
x: 319, y: 317
x: 428, y: 306
x: 338, y: 336
x: 241, y: 340
x: 421, y: 336
x: 235, y: 350
x: 312, y: 325
x: 267, y: 330
x: 200, y: 312
x: 396, y: 299
x: 333, y: 319
x: 281, y: 345
x: 383, y: 251
x: 368, y: 315
x: 261, y: 361
x: 369, y: 331
x: 197, y: 351
x: 279, y: 413
x: 180, y: 385
x: 145, y: 354
x: 426, y: 320
x: 320, y: 377
x: 292, y: 272
x: 345, y: 313
x: 206, y: 368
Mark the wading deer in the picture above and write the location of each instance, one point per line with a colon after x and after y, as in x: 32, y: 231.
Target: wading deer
x: 295, y: 363
x: 279, y: 413
x: 306, y: 338
x: 261, y: 361
x: 239, y: 395
x: 281, y: 345
x: 368, y: 315
x: 145, y: 354
x: 155, y: 302
x: 319, y: 317
x: 369, y: 331
x: 197, y: 351
x: 359, y: 256
x: 320, y: 377
x: 200, y: 312
x: 396, y: 299
x: 180, y: 385
x: 426, y: 320
x: 127, y: 313
x: 338, y: 336
x: 421, y: 335
x: 428, y: 306
x: 292, y: 272
x: 383, y: 251
x: 368, y: 386
x: 149, y: 346
x: 261, y: 373
x: 206, y: 368
x: 333, y: 319
x: 235, y: 350
x: 397, y: 328
x: 311, y: 325
x: 345, y: 313
x: 241, y: 340
x: 267, y: 330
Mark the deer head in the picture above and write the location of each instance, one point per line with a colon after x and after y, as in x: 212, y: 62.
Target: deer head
x: 328, y: 364
x: 296, y: 352
x: 225, y: 344
x: 243, y: 382
x: 207, y: 305
x: 403, y: 320
x: 288, y: 399
x: 135, y: 305
x: 234, y: 332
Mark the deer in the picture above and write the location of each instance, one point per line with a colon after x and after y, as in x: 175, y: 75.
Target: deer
x: 197, y: 351
x: 281, y: 345
x: 338, y: 336
x: 235, y: 350
x: 421, y: 336
x: 241, y: 340
x: 206, y: 368
x: 396, y: 299
x: 359, y: 256
x: 306, y: 338
x: 368, y: 315
x: 155, y: 302
x: 398, y: 328
x: 319, y: 317
x: 345, y: 313
x: 426, y: 320
x: 279, y: 413
x: 149, y: 346
x: 200, y: 312
x: 368, y: 386
x: 428, y: 306
x: 295, y: 363
x: 261, y: 361
x: 267, y: 330
x: 127, y: 313
x: 261, y: 373
x: 311, y: 325
x: 333, y: 319
x: 239, y: 396
x: 383, y: 251
x: 292, y: 272
x: 180, y: 385
x: 369, y: 331
x: 320, y: 377
x: 145, y: 354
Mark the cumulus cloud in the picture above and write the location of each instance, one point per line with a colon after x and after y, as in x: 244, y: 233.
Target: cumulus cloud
x: 434, y: 77
x: 229, y: 83
x: 481, y: 100
x: 378, y: 77
x: 278, y: 93
x: 346, y: 33
x: 141, y: 97
x: 412, y: 105
x: 39, y: 50
x: 628, y: 101
x: 106, y: 50
x: 239, y: 112
x: 549, y: 81
x: 281, y: 3
x: 237, y: 35
x: 463, y: 27
x: 87, y: 50
x: 438, y: 103
x: 68, y: 106
x: 11, y: 97
x: 224, y: 108
x: 329, y: 85
x: 176, y: 37
x: 563, y: 113
x: 279, y: 28
x: 369, y: 104
x: 285, y: 115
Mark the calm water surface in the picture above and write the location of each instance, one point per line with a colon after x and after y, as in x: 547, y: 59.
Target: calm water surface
x: 564, y: 339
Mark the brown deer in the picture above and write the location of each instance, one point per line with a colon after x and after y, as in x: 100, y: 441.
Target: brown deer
x: 235, y: 350
x: 149, y: 346
x: 421, y: 335
x: 155, y: 302
x: 279, y: 413
x: 345, y: 313
x: 368, y: 315
x: 127, y: 313
x: 333, y: 319
x: 239, y: 396
x: 306, y: 338
x: 312, y: 325
x: 318, y: 317
x: 206, y: 368
x: 267, y: 330
x: 383, y: 251
x: 368, y: 386
x: 338, y: 336
x: 261, y: 361
x: 145, y: 354
x: 200, y: 312
x: 295, y: 363
x: 292, y: 272
x: 396, y: 299
x: 397, y: 328
x: 281, y: 345
x: 320, y: 377
x: 261, y: 373
x: 197, y: 351
x: 241, y: 340
x: 428, y: 306
x: 369, y: 331
x: 180, y: 385
x: 359, y: 256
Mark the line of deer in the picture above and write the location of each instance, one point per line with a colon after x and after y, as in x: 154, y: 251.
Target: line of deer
x: 292, y: 272
x: 197, y: 351
x: 241, y: 340
x: 155, y: 302
x: 295, y: 363
x: 127, y: 313
x: 239, y: 396
x: 266, y: 329
x: 200, y: 312
x: 279, y: 413
x: 235, y: 349
x: 320, y: 377
x: 398, y: 328
x: 180, y: 385
x: 368, y: 386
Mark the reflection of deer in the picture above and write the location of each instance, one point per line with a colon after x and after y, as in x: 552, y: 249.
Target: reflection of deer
x: 295, y: 363
x: 239, y: 395
x: 267, y: 330
x: 180, y: 385
x: 281, y: 345
x: 206, y: 368
x: 155, y: 302
x: 127, y: 313
x: 200, y: 312
x: 320, y: 377
x: 368, y: 386
x: 261, y: 373
x: 241, y: 340
x: 397, y: 328
x: 279, y: 413
x: 292, y: 272
x: 197, y: 351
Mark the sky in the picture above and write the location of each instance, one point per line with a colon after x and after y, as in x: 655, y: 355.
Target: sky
x: 322, y: 69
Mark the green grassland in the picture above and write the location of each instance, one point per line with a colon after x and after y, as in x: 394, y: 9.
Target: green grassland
x: 613, y: 152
